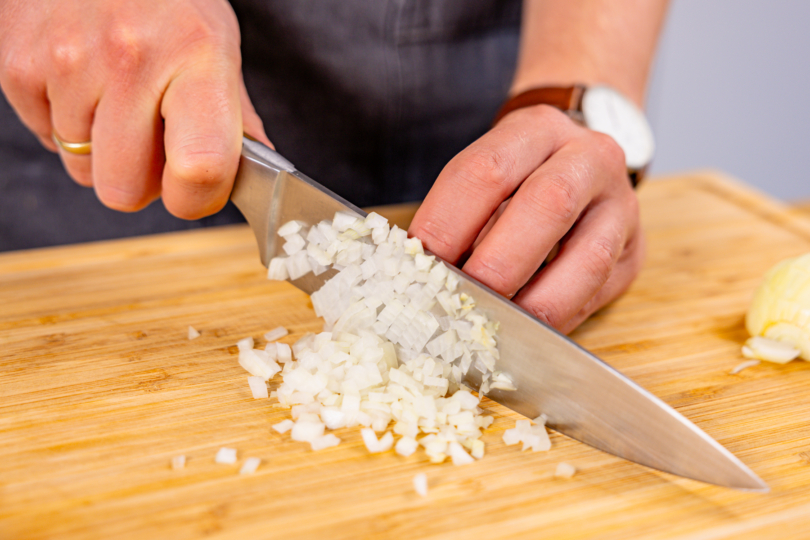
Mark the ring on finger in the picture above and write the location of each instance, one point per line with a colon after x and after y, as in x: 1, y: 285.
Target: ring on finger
x: 81, y: 148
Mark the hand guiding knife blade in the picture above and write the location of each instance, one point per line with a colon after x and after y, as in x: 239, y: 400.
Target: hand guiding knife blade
x: 582, y: 397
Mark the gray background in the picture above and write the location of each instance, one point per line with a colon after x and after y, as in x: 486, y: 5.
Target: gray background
x: 729, y: 91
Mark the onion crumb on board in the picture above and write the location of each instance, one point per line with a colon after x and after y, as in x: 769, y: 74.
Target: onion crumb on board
x: 178, y: 462
x: 258, y: 387
x: 743, y: 365
x: 565, y: 470
x: 420, y: 484
x: 250, y: 465
x: 532, y: 436
x: 193, y: 333
x: 276, y: 334
x: 226, y: 456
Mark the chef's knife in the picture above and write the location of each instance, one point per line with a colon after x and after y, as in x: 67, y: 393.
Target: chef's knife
x: 581, y: 396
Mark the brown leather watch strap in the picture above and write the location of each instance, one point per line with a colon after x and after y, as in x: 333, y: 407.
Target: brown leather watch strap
x: 565, y: 98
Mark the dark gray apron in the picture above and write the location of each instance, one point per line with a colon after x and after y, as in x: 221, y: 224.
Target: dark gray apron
x: 370, y: 98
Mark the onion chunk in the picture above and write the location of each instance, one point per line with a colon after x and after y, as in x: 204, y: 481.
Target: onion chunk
x: 226, y: 456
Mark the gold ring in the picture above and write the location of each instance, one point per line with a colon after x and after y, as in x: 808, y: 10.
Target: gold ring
x: 80, y: 148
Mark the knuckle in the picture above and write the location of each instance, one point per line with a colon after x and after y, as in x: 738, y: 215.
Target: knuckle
x: 542, y: 114
x: 127, y: 48
x: 545, y: 313
x: 486, y: 170
x: 558, y: 197
x: 609, y: 150
x: 68, y: 55
x: 18, y: 69
x: 493, y: 273
x: 601, y: 257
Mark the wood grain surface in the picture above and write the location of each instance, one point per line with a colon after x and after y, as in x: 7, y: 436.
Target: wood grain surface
x: 100, y: 387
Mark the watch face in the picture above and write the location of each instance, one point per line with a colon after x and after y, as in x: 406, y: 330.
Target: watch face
x: 606, y: 110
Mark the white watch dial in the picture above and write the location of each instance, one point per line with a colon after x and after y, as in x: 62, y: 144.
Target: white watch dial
x: 607, y: 111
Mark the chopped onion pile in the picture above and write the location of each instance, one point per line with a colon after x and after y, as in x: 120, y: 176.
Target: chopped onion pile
x: 398, y: 341
x: 534, y: 437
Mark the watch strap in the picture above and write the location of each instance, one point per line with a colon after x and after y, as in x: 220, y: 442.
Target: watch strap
x: 565, y: 98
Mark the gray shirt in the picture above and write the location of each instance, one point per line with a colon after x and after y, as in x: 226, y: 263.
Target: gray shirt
x: 371, y: 99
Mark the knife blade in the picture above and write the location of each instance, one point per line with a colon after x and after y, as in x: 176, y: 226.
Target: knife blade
x: 582, y: 396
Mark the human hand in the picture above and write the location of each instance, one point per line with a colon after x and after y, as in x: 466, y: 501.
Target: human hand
x: 567, y: 184
x: 155, y: 85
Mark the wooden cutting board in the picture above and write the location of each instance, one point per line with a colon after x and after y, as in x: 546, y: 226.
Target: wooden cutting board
x: 100, y: 387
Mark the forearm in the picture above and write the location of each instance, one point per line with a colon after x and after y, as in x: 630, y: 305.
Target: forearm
x: 564, y: 42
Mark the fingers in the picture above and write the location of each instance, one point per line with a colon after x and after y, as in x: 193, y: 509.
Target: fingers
x: 627, y: 267
x: 586, y: 270
x: 481, y: 177
x: 73, y: 104
x: 203, y: 140
x: 541, y: 212
x: 127, y: 158
x: 22, y: 81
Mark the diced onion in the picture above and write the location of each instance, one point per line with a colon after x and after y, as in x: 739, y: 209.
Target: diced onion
x: 565, y: 470
x: 250, y: 465
x: 744, y: 365
x: 398, y: 339
x: 226, y: 456
x: 258, y: 387
x: 276, y: 333
x: 193, y: 333
x: 771, y: 350
x: 534, y: 437
x: 284, y: 426
x: 420, y: 484
x: 178, y: 462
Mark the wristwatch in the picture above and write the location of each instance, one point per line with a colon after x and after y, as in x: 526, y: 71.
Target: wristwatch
x: 600, y: 108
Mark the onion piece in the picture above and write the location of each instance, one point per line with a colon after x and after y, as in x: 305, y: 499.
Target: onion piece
x: 250, y: 465
x: 284, y: 426
x: 276, y: 333
x: 770, y: 349
x: 743, y: 365
x: 324, y: 441
x: 192, y: 333
x: 373, y: 444
x: 226, y: 456
x: 406, y: 446
x: 420, y: 484
x: 458, y: 454
x: 565, y: 470
x: 277, y: 269
x: 178, y: 462
x: 258, y: 387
